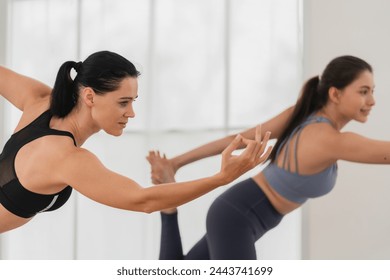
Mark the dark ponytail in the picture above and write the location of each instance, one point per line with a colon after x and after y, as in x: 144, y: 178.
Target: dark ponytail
x: 102, y: 71
x: 64, y: 94
x: 339, y: 73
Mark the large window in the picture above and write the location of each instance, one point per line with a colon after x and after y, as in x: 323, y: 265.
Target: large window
x: 209, y: 67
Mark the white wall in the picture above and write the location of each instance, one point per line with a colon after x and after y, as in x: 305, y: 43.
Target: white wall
x: 264, y: 77
x: 353, y: 221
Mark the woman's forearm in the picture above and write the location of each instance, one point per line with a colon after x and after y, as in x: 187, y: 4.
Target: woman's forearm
x: 207, y: 150
x: 171, y: 195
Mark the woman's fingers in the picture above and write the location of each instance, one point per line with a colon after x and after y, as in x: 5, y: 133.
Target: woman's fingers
x: 264, y: 144
x: 233, y: 145
x: 256, y: 150
x: 263, y: 157
x: 153, y: 156
x: 258, y: 134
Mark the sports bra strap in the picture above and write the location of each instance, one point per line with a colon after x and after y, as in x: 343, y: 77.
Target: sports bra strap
x: 297, y: 131
x: 65, y: 133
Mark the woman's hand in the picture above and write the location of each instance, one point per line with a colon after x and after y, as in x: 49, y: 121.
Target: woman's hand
x: 233, y: 166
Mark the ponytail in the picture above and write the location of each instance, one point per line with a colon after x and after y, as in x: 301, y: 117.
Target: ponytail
x: 309, y: 101
x: 65, y: 91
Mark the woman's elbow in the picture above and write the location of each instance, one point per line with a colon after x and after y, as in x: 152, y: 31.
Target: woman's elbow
x: 144, y: 204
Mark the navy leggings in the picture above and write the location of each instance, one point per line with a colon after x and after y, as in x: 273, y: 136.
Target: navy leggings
x: 235, y: 221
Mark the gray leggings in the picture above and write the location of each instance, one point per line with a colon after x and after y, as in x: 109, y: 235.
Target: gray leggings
x: 235, y: 221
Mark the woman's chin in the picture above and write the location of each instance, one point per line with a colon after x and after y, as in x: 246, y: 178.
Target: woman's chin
x: 115, y: 132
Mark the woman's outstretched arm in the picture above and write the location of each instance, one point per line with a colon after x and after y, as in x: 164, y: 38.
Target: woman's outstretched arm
x: 275, y: 125
x: 85, y: 173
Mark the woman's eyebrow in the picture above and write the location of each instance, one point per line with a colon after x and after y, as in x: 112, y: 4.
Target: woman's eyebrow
x: 128, y: 98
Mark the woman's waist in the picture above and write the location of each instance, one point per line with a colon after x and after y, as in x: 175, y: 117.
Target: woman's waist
x: 280, y: 203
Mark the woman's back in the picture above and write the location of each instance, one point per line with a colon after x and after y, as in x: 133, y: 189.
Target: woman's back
x: 302, y: 169
x: 28, y: 171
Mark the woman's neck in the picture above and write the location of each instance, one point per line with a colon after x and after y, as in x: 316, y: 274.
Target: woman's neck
x: 79, y: 123
x: 337, y: 120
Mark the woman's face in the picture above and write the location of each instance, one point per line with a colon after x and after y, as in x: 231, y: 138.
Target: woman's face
x: 112, y: 110
x: 357, y: 99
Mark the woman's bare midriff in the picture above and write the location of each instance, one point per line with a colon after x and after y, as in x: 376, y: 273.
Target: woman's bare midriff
x: 282, y: 205
x: 10, y: 221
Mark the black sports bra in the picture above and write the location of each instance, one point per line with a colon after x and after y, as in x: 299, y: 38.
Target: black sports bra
x: 13, y: 196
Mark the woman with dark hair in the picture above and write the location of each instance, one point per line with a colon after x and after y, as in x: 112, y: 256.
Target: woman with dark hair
x: 303, y: 164
x: 43, y: 160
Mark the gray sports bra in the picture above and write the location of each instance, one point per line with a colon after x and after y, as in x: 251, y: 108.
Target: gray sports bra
x: 292, y: 185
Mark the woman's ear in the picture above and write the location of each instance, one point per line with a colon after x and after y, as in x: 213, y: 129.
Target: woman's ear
x: 334, y: 95
x: 87, y: 96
